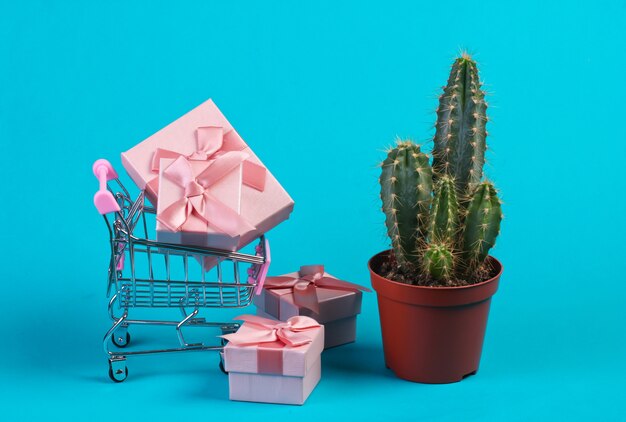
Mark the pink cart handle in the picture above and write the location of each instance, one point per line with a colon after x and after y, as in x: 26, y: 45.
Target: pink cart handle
x: 103, y: 199
x: 264, y: 267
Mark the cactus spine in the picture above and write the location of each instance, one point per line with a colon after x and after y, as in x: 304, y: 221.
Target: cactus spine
x: 460, y: 134
x: 482, y: 224
x: 444, y: 212
x: 406, y: 186
x: 445, y: 235
x: 439, y: 261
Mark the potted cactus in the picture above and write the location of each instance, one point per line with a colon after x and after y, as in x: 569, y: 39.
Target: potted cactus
x: 435, y: 284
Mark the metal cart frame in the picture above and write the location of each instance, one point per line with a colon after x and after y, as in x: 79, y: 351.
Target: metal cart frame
x: 126, y: 289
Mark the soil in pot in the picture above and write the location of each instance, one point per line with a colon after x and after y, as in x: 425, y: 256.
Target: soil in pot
x: 389, y: 269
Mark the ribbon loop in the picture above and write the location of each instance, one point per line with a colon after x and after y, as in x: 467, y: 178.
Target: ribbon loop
x: 225, y: 148
x: 257, y: 330
x: 209, y: 140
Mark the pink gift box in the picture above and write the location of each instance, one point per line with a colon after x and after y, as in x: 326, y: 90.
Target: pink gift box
x: 264, y: 368
x: 204, y: 136
x: 337, y: 306
x: 195, y: 230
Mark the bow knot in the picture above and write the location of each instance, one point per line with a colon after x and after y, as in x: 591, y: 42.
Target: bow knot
x: 197, y: 200
x: 257, y: 330
x: 193, y: 188
x: 198, y: 156
x: 301, y: 285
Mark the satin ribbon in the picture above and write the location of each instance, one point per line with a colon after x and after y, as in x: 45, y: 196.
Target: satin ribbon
x: 304, y: 286
x: 257, y: 330
x: 212, y: 143
x: 198, y: 200
x: 273, y: 336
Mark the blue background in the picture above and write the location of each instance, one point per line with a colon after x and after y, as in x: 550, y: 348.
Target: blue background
x: 318, y: 89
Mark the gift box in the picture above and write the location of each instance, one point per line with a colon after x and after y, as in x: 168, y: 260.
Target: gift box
x: 240, y: 188
x: 314, y: 293
x: 271, y: 361
x: 199, y: 204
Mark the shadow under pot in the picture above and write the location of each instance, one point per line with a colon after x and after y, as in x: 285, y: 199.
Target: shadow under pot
x: 432, y: 335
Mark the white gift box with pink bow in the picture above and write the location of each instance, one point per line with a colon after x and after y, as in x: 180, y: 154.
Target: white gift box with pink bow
x: 209, y: 187
x: 272, y: 361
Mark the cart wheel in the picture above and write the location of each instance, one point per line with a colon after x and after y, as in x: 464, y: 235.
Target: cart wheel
x: 119, y: 341
x: 118, y: 375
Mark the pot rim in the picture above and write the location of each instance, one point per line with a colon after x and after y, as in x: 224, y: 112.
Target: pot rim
x: 450, y: 288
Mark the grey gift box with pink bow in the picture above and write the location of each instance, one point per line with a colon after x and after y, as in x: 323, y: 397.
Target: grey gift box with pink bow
x: 314, y: 293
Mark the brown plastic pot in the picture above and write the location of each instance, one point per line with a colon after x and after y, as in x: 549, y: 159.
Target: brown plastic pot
x: 432, y: 335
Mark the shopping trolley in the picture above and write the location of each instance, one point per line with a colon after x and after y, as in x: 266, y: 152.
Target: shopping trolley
x: 134, y: 281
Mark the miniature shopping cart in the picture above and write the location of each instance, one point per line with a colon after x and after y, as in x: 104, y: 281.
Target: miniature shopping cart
x: 144, y: 273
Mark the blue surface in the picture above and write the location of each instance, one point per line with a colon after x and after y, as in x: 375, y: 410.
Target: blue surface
x: 318, y: 90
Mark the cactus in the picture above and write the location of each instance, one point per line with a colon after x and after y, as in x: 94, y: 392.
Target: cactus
x: 459, y: 143
x: 444, y: 212
x: 444, y: 237
x: 438, y: 261
x: 406, y: 186
x: 482, y: 225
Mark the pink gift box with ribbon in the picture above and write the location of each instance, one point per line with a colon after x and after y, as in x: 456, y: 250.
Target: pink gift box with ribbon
x: 238, y: 195
x: 314, y: 293
x: 272, y: 361
x: 199, y: 204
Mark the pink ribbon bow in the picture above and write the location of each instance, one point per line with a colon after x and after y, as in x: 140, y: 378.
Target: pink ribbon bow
x: 197, y: 199
x: 305, y: 284
x: 212, y: 143
x: 257, y: 331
